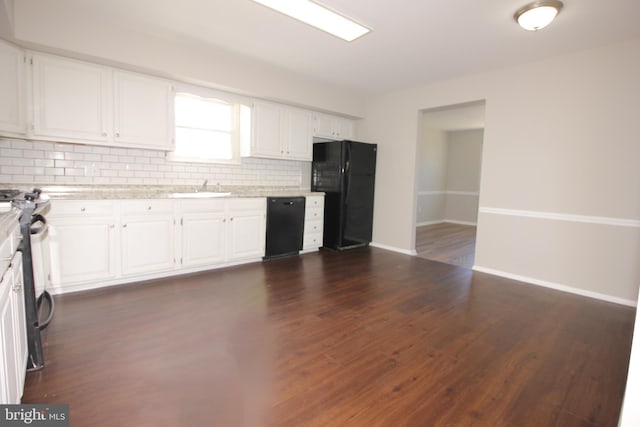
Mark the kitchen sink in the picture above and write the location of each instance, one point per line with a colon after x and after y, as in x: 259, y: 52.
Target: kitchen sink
x: 198, y: 195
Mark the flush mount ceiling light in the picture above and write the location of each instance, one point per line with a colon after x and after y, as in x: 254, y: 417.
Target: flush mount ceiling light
x: 537, y: 15
x: 319, y: 17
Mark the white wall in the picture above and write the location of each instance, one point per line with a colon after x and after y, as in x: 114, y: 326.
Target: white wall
x: 464, y: 159
x: 560, y: 155
x: 431, y: 170
x: 46, y: 26
x: 448, y: 175
x: 6, y: 18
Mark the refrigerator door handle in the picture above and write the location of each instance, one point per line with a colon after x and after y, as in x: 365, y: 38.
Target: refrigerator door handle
x: 347, y: 173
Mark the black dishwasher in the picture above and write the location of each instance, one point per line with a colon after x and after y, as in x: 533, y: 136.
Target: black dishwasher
x: 285, y: 226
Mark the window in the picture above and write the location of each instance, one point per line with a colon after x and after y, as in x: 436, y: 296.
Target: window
x: 209, y: 129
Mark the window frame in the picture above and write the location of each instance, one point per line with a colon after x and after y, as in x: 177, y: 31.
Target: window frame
x: 223, y: 97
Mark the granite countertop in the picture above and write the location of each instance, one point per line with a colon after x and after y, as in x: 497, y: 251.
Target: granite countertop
x: 106, y: 192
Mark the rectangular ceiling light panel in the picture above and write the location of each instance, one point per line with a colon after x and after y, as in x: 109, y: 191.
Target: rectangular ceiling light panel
x: 319, y: 17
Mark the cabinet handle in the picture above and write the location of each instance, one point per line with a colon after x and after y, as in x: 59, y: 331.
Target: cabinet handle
x: 83, y: 209
x: 224, y: 219
x: 112, y: 226
x: 149, y: 208
x: 104, y: 134
x: 124, y: 225
x: 231, y: 219
x: 117, y: 134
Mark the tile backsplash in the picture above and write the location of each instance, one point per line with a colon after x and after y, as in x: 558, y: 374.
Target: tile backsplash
x: 27, y: 162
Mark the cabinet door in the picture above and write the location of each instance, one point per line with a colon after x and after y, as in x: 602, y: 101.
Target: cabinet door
x: 8, y: 367
x: 344, y: 128
x: 246, y: 228
x: 246, y: 234
x: 20, y: 322
x: 299, y: 137
x: 203, y: 238
x: 147, y: 244
x: 82, y: 250
x: 143, y: 108
x: 267, y: 130
x: 70, y: 99
x: 12, y: 101
x: 324, y: 126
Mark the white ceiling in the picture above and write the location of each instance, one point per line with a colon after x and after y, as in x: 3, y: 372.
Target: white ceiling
x: 413, y: 41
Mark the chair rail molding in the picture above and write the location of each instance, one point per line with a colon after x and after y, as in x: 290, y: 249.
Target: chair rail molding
x: 601, y: 220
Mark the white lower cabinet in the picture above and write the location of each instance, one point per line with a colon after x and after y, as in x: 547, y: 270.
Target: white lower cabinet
x: 147, y: 233
x: 13, y: 332
x: 96, y: 243
x: 246, y: 228
x: 203, y: 224
x: 218, y: 231
x: 313, y: 223
x: 20, y: 322
x: 82, y: 241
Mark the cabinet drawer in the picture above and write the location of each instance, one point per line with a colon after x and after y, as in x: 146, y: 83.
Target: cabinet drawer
x: 247, y: 204
x: 315, y: 202
x: 200, y: 206
x: 81, y: 207
x: 312, y: 214
x: 312, y: 227
x: 147, y: 206
x: 312, y: 241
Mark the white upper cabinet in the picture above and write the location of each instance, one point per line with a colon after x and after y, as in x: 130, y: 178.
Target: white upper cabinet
x: 280, y: 132
x: 87, y: 103
x: 267, y: 130
x: 143, y: 111
x: 299, y: 138
x: 70, y: 100
x: 12, y: 101
x: 332, y: 127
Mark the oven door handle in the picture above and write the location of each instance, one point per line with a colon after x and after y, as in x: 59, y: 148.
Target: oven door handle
x: 45, y: 296
x: 37, y: 218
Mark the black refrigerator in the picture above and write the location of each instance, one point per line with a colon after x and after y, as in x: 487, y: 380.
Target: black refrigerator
x: 345, y: 171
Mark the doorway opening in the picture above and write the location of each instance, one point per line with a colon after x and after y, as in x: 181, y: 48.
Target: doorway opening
x: 449, y: 161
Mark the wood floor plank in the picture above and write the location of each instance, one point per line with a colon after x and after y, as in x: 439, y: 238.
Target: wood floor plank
x: 364, y: 337
x: 447, y: 242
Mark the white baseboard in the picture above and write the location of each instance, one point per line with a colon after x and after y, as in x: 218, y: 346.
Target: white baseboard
x: 421, y: 224
x: 556, y: 286
x: 87, y: 286
x: 394, y: 249
x: 450, y: 221
x: 446, y: 221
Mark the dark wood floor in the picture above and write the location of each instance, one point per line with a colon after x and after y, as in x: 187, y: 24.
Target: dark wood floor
x: 360, y: 338
x: 449, y: 243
